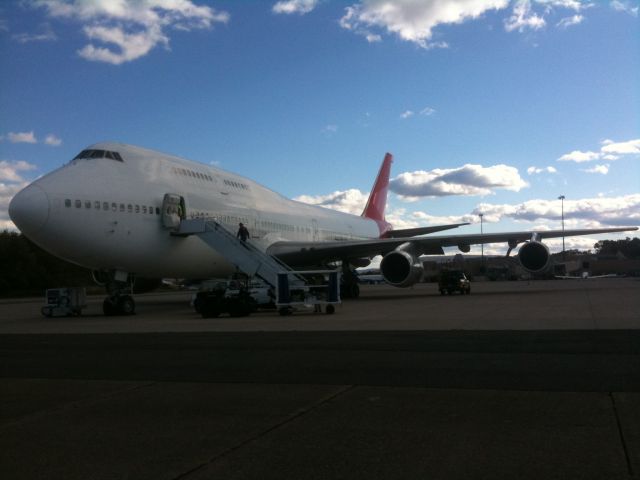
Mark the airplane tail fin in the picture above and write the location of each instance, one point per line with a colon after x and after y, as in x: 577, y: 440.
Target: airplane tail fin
x: 378, y: 197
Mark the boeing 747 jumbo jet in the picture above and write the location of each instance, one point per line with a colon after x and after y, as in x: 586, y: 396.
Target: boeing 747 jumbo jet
x: 117, y: 209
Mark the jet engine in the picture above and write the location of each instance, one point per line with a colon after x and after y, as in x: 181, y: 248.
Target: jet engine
x: 401, y: 267
x: 534, y: 256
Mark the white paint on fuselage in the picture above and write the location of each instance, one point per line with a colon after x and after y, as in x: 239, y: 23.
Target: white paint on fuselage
x: 126, y: 236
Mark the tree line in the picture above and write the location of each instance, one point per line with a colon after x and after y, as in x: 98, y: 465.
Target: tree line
x: 26, y: 269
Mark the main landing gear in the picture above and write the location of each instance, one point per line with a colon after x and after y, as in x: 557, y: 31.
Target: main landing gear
x: 119, y: 287
x: 349, y: 287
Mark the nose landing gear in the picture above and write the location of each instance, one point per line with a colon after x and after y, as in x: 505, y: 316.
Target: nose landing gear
x: 119, y: 287
x: 119, y: 305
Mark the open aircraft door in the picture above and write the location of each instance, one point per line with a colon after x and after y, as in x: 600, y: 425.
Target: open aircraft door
x: 173, y: 211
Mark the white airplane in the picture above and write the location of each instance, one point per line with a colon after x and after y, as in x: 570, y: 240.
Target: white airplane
x: 586, y: 276
x: 108, y: 210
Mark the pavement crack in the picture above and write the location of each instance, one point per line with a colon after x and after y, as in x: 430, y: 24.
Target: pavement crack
x: 621, y: 433
x: 74, y: 403
x: 290, y: 418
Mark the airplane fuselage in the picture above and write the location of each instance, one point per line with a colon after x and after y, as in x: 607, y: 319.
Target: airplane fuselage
x: 105, y: 213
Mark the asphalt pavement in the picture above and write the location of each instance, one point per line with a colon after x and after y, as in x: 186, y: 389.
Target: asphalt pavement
x: 166, y: 395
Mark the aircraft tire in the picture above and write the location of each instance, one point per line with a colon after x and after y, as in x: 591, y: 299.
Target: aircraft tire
x: 108, y: 307
x: 210, y: 313
x: 126, y: 305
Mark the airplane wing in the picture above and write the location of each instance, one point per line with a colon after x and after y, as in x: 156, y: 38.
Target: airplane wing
x: 586, y: 277
x: 306, y: 253
x: 412, y: 232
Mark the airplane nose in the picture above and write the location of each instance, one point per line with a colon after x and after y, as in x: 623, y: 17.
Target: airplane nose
x: 29, y: 209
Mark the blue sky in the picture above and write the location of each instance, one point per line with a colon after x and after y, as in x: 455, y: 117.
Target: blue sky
x: 490, y: 106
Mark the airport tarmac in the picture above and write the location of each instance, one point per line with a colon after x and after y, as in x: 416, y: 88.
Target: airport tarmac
x: 607, y: 303
x: 517, y: 380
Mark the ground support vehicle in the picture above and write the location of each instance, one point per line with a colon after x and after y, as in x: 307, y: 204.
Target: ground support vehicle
x: 320, y: 289
x: 232, y: 297
x: 454, y: 281
x: 64, y: 302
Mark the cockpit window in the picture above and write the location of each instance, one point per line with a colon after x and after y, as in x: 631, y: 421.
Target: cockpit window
x: 99, y: 154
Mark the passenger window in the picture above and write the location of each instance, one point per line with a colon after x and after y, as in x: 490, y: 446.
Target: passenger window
x: 122, y: 207
x: 105, y: 205
x: 96, y: 205
x: 67, y: 202
x: 157, y: 211
x: 130, y: 208
x: 87, y: 204
x: 114, y: 206
x: 78, y: 203
x: 151, y: 210
x: 137, y: 208
x: 144, y: 209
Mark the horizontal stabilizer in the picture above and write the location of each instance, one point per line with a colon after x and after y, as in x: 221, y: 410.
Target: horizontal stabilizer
x: 412, y: 232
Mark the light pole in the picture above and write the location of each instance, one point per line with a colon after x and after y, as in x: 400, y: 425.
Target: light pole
x: 561, y: 198
x: 481, y: 244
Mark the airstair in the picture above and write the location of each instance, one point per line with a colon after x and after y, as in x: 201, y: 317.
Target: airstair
x: 244, y: 255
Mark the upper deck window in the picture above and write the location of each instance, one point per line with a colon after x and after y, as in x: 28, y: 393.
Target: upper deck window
x: 99, y: 154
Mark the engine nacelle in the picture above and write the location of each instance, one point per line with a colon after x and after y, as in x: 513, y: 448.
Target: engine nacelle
x: 534, y: 256
x: 401, y: 268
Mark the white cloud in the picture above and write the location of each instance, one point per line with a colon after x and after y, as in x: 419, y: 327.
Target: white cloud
x: 295, y: 6
x: 22, y: 137
x: 131, y: 45
x: 443, y: 220
x: 414, y: 20
x: 609, y: 151
x: 621, y: 148
x: 466, y: 180
x: 134, y: 28
x: 538, y: 170
x: 426, y: 111
x: 622, y: 6
x: 46, y: 35
x: 576, y: 5
x: 373, y: 37
x: 330, y: 130
x: 348, y: 201
x: 570, y: 21
x: 584, y: 213
x: 11, y: 182
x: 52, y: 140
x: 579, y: 157
x: 601, y: 169
x: 9, y: 171
x: 7, y: 192
x: 523, y: 17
